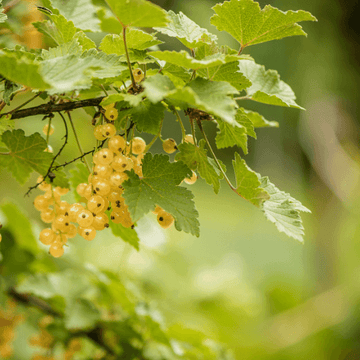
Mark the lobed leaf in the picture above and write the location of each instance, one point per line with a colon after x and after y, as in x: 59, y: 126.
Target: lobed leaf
x: 283, y: 210
x: 195, y: 157
x: 186, y: 30
x: 159, y: 186
x: 266, y: 86
x: 157, y: 87
x: 249, y: 25
x: 258, y: 120
x: 128, y: 235
x: 138, y: 13
x: 247, y: 183
x: 209, y: 96
x: 135, y: 39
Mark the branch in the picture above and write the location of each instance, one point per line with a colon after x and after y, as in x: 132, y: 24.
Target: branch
x: 54, y: 158
x: 49, y: 108
x: 30, y: 300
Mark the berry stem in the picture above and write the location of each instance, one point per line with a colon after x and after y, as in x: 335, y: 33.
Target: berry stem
x: 180, y: 122
x: 128, y: 58
x: 215, y: 158
x: 48, y: 131
x: 78, y: 142
x: 158, y: 135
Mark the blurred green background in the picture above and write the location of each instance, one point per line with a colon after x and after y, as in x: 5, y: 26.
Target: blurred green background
x: 264, y: 295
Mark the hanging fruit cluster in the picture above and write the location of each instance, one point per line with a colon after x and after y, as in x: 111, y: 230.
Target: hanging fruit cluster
x: 101, y: 195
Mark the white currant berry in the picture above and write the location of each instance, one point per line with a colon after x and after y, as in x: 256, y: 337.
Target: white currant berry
x: 138, y: 74
x: 189, y: 139
x: 117, y: 144
x: 46, y: 129
x: 47, y: 236
x: 111, y: 114
x: 192, y: 179
x: 165, y: 219
x: 98, y: 133
x: 169, y: 146
x: 108, y: 130
x: 138, y: 145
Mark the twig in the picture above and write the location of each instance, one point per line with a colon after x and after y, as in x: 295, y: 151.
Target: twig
x: 180, y: 122
x: 54, y: 158
x: 78, y: 142
x: 50, y: 107
x: 216, y: 159
x: 128, y: 58
x: 79, y: 157
x: 25, y: 103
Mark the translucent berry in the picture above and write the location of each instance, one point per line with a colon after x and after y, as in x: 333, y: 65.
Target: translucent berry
x: 98, y: 133
x: 192, y: 179
x: 88, y: 233
x: 103, y: 171
x: 72, y: 231
x: 138, y: 74
x: 61, y: 222
x: 62, y: 208
x: 102, y: 187
x: 157, y: 209
x: 80, y: 189
x: 85, y: 218
x: 165, y: 219
x: 108, y: 130
x: 105, y: 156
x: 126, y: 218
x: 44, y: 186
x: 96, y: 204
x: 46, y: 129
x: 189, y: 139
x: 101, y: 221
x: 60, y: 239
x: 169, y: 146
x: 117, y: 178
x: 41, y: 202
x: 61, y: 191
x: 74, y: 211
x: 88, y: 191
x: 56, y: 250
x: 122, y: 163
x: 49, y: 149
x: 47, y: 215
x: 117, y: 144
x: 118, y: 205
x: 138, y: 170
x: 115, y: 217
x: 111, y: 114
x: 138, y: 145
x: 47, y: 236
x: 114, y: 195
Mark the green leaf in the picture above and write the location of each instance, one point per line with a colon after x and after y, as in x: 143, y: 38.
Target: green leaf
x: 3, y: 17
x: 128, y: 235
x: 249, y: 25
x: 132, y: 100
x: 81, y: 314
x: 147, y: 116
x: 138, y: 13
x: 283, y: 210
x: 84, y: 41
x: 177, y: 74
x: 186, y: 30
x: 157, y: 87
x: 266, y: 86
x: 135, y: 39
x: 195, y: 157
x: 159, y: 186
x: 26, y: 153
x: 79, y: 175
x: 228, y: 72
x: 19, y: 225
x: 81, y: 12
x: 258, y: 120
x: 40, y: 285
x: 184, y: 59
x: 247, y: 183
x: 9, y: 88
x: 58, y: 28
x: 70, y: 48
x: 109, y: 23
x: 231, y: 135
x: 22, y: 70
x: 209, y: 96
